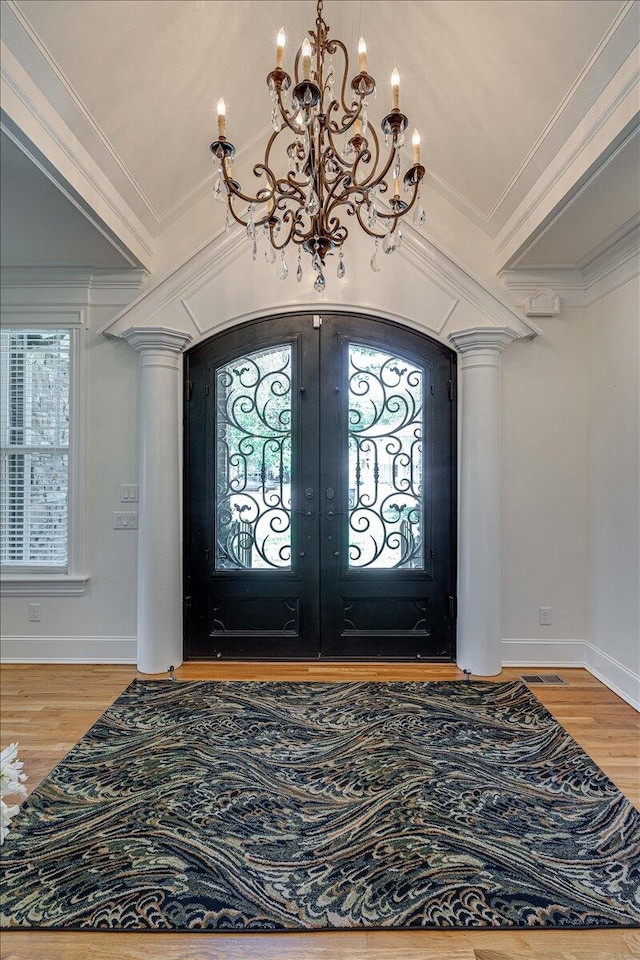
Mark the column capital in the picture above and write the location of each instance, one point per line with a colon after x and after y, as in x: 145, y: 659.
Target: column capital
x: 473, y: 339
x: 157, y: 338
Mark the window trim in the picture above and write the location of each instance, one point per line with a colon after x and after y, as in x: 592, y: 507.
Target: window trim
x: 36, y: 580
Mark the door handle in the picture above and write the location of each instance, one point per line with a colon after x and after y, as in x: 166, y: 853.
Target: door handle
x: 335, y: 513
x: 302, y: 513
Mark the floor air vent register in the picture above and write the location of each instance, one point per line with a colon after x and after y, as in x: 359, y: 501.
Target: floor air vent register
x: 548, y: 678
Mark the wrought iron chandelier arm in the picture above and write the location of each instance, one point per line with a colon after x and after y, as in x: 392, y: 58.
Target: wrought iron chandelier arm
x: 381, y: 176
x: 289, y: 118
x: 363, y: 157
x: 331, y: 47
x: 367, y: 229
x: 290, y: 219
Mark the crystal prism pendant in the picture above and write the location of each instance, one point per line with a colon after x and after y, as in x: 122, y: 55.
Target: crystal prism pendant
x: 251, y: 230
x: 270, y: 254
x: 299, y: 270
x: 227, y: 223
x: 388, y: 243
x: 375, y: 259
x: 312, y: 205
x: 320, y: 282
x: 341, y: 268
x: 419, y: 216
x: 284, y: 269
x: 399, y: 238
x: 373, y: 215
x: 254, y: 250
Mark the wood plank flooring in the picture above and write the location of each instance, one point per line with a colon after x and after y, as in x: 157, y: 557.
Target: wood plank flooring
x: 48, y: 708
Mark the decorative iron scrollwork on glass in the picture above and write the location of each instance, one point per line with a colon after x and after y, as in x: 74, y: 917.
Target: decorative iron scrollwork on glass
x: 386, y: 427
x: 253, y: 461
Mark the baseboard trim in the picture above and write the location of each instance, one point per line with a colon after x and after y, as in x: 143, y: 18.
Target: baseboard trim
x: 575, y: 653
x: 68, y: 650
x: 543, y: 653
x: 614, y: 675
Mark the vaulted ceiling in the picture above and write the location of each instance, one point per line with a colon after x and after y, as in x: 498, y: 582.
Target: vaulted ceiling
x: 496, y: 88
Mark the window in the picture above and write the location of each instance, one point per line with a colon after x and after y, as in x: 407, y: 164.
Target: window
x: 37, y: 390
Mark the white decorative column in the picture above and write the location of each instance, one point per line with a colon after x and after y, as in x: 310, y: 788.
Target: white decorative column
x: 479, y: 520
x: 160, y: 510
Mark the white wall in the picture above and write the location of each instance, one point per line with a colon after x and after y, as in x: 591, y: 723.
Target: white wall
x: 570, y: 494
x: 107, y: 610
x: 613, y: 327
x: 544, y: 383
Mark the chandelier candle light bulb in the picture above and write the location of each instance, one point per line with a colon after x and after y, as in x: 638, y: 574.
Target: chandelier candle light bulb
x: 280, y: 42
x: 306, y: 59
x: 222, y: 118
x: 395, y: 89
x: 362, y: 55
x: 415, y: 142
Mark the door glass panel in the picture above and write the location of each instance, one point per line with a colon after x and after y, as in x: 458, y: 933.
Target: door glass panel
x: 253, y: 461
x: 386, y: 510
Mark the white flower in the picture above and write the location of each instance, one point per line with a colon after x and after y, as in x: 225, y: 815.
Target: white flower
x: 11, y: 784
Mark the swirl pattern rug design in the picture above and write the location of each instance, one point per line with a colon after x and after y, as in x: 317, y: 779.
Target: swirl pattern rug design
x: 243, y: 806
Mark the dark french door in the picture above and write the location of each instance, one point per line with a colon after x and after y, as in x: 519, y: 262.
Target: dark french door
x: 320, y: 492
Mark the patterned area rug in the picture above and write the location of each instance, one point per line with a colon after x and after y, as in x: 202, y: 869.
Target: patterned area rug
x: 304, y: 806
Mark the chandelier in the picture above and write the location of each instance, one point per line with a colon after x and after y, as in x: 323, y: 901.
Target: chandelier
x: 331, y: 163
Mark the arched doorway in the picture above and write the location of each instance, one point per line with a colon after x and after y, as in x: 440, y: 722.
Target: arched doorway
x: 319, y: 489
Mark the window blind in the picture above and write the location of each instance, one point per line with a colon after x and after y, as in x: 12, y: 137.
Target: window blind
x: 35, y: 365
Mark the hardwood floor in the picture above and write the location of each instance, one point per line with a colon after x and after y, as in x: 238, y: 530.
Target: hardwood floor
x: 48, y: 708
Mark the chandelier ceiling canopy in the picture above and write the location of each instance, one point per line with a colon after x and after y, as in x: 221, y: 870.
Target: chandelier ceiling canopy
x: 324, y: 162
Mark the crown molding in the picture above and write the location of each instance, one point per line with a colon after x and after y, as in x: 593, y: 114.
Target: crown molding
x: 607, y: 125
x: 612, y: 50
x: 36, y: 128
x: 68, y: 286
x: 615, y: 265
x: 59, y: 77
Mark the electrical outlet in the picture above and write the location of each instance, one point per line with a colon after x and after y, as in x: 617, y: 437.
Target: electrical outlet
x: 123, y: 520
x: 34, y: 613
x: 545, y: 616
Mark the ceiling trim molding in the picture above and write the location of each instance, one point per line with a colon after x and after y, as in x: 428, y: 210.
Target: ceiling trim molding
x: 612, y: 243
x: 498, y: 216
x: 80, y: 105
x: 63, y: 286
x: 612, y: 119
x: 614, y: 266
x: 201, y: 267
x: 39, y: 131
